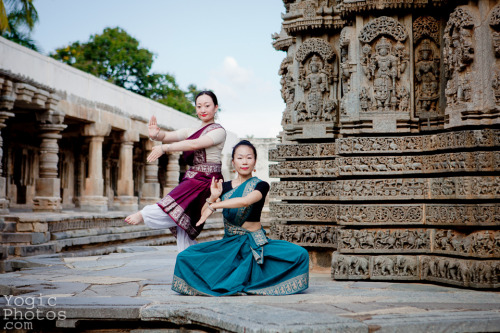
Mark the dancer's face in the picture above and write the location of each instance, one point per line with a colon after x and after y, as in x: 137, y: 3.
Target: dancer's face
x: 205, y: 108
x: 244, y: 160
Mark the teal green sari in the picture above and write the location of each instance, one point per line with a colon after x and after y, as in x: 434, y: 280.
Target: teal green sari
x: 243, y: 262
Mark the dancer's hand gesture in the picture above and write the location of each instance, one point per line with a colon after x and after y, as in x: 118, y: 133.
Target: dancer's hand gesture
x: 215, y: 189
x: 153, y: 129
x: 155, y: 154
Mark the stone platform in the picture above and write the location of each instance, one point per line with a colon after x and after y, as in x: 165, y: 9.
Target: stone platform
x: 75, y: 233
x: 129, y: 291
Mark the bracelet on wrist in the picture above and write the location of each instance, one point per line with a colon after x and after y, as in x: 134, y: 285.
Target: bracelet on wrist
x: 211, y: 208
x: 156, y: 136
x: 167, y: 147
x: 210, y: 202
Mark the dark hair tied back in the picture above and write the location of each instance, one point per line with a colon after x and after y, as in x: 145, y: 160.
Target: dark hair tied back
x: 244, y: 143
x: 209, y: 93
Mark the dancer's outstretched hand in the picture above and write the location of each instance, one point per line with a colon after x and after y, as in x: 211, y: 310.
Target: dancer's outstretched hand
x: 155, y: 154
x: 216, y: 188
x: 204, y: 216
x: 153, y: 128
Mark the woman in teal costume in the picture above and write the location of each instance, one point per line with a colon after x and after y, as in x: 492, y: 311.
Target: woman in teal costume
x: 245, y: 261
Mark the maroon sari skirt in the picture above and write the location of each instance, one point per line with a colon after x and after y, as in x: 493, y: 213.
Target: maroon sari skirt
x: 184, y: 203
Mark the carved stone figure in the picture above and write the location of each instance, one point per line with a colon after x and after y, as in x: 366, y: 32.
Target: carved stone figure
x: 427, y: 78
x: 458, y: 54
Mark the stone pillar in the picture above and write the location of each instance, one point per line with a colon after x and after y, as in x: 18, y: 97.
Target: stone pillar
x: 93, y: 194
x: 173, y: 171
x: 151, y: 186
x: 48, y: 185
x: 125, y: 200
x: 4, y: 202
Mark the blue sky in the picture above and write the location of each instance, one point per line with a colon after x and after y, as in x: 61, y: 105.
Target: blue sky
x: 222, y: 45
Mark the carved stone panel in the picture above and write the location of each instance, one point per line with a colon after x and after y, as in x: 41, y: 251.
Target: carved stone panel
x: 384, y: 240
x: 303, y: 212
x: 350, y: 267
x: 427, y: 67
x: 397, y: 267
x: 380, y: 214
x: 495, y: 35
x: 471, y: 188
x: 306, y: 235
x: 479, y: 244
x: 384, y: 60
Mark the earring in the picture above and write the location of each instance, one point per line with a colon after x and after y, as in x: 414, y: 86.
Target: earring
x: 254, y: 170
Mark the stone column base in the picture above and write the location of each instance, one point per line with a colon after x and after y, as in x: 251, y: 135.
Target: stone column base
x: 126, y: 203
x: 94, y: 204
x: 47, y: 204
x: 150, y: 194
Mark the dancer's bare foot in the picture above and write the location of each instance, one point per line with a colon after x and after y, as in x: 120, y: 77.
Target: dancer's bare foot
x: 134, y: 218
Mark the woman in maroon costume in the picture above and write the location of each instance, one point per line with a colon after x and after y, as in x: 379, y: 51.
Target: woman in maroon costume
x: 180, y: 209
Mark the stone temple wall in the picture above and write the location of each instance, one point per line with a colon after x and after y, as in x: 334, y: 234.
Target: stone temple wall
x: 389, y: 153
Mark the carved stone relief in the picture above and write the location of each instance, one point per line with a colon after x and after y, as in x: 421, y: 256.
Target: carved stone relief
x: 458, y: 55
x: 380, y: 241
x: 306, y: 235
x: 479, y: 244
x: 287, y: 88
x: 388, y: 145
x: 318, y: 79
x: 495, y: 34
x: 427, y: 62
x: 456, y: 271
x: 485, y: 187
x: 389, y: 165
x: 384, y: 60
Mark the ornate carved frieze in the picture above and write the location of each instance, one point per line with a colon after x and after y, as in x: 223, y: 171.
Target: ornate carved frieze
x: 390, y: 214
x: 427, y: 64
x: 384, y: 60
x: 384, y: 240
x: 462, y: 214
x: 486, y: 187
x: 306, y: 235
x: 478, y: 244
x: 311, y: 15
x: 458, y: 55
x: 297, y: 169
x: 389, y: 165
x: 380, y: 214
x: 350, y: 267
x: 461, y: 272
x: 424, y: 143
x: 347, y: 7
x: 456, y: 271
x: 389, y: 145
x: 304, y: 212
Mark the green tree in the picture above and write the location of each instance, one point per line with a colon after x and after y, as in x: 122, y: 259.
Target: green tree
x: 116, y: 57
x: 17, y: 19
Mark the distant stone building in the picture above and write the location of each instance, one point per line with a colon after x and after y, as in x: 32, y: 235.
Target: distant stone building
x: 389, y: 155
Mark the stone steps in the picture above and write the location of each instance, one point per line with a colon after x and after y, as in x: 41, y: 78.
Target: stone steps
x: 81, y: 235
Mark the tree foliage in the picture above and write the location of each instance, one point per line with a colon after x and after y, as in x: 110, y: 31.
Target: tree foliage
x: 17, y: 19
x: 116, y: 57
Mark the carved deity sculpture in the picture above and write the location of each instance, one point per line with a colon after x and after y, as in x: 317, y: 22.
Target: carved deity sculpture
x: 427, y: 78
x: 315, y: 83
x: 383, y: 67
x: 287, y: 88
x: 384, y: 59
x: 458, y: 54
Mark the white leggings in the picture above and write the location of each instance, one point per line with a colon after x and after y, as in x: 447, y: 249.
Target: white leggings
x: 154, y: 217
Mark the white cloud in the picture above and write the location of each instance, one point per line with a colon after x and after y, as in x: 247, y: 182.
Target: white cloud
x: 250, y: 105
